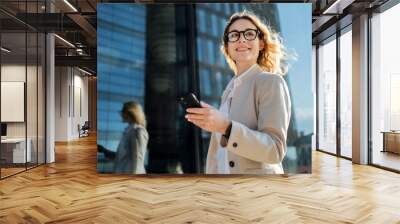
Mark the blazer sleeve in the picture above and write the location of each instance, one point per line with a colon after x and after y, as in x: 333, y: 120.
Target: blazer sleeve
x: 268, y: 143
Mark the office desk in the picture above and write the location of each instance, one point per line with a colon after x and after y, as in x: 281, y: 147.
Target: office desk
x: 15, y: 148
x: 391, y: 141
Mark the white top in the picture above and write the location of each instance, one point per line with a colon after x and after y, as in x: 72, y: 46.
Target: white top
x: 222, y: 156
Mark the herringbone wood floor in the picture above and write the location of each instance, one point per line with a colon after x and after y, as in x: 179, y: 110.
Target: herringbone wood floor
x: 70, y: 191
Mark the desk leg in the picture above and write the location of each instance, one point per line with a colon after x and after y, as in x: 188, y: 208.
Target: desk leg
x: 384, y: 142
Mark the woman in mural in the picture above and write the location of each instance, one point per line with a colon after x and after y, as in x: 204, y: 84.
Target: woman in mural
x: 129, y: 158
x: 249, y: 130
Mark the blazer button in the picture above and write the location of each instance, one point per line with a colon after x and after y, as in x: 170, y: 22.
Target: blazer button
x: 231, y: 164
x: 234, y: 144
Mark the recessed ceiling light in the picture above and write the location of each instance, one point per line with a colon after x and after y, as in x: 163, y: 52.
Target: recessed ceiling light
x: 84, y: 71
x: 5, y: 50
x: 65, y: 41
x: 70, y: 5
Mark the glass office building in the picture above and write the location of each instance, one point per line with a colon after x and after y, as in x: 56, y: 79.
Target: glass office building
x: 121, y: 63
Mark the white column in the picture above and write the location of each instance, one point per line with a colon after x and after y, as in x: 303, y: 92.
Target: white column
x: 360, y: 90
x: 50, y: 109
x: 50, y: 93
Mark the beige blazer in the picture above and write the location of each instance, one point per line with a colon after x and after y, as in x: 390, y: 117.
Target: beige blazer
x: 260, y: 114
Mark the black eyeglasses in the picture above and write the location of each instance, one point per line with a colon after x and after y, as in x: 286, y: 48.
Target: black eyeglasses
x: 248, y: 34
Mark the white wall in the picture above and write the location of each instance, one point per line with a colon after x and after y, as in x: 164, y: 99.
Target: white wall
x: 71, y: 94
x: 80, y: 112
x: 16, y: 73
x: 61, y: 103
x: 11, y: 73
x: 33, y: 126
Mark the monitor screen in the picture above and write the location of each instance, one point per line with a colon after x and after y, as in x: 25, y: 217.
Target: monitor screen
x: 3, y: 129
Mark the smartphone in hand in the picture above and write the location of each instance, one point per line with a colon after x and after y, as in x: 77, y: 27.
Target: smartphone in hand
x: 189, y: 101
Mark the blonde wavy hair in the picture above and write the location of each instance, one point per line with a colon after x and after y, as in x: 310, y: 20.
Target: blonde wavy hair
x: 134, y: 112
x: 272, y: 58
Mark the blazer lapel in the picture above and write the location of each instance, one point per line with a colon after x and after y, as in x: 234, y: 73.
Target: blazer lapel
x: 238, y: 95
x: 255, y: 70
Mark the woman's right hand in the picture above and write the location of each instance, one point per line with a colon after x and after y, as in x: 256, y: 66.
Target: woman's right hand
x: 208, y: 118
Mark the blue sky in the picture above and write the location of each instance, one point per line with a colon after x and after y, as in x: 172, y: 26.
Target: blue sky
x: 295, y: 21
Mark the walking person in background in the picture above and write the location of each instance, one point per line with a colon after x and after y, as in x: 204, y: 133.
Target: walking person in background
x: 249, y: 130
x: 129, y: 158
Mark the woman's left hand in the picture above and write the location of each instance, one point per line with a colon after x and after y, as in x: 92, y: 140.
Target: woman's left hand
x: 208, y: 118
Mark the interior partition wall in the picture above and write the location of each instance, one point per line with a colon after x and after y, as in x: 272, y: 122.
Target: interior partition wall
x: 22, y: 88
